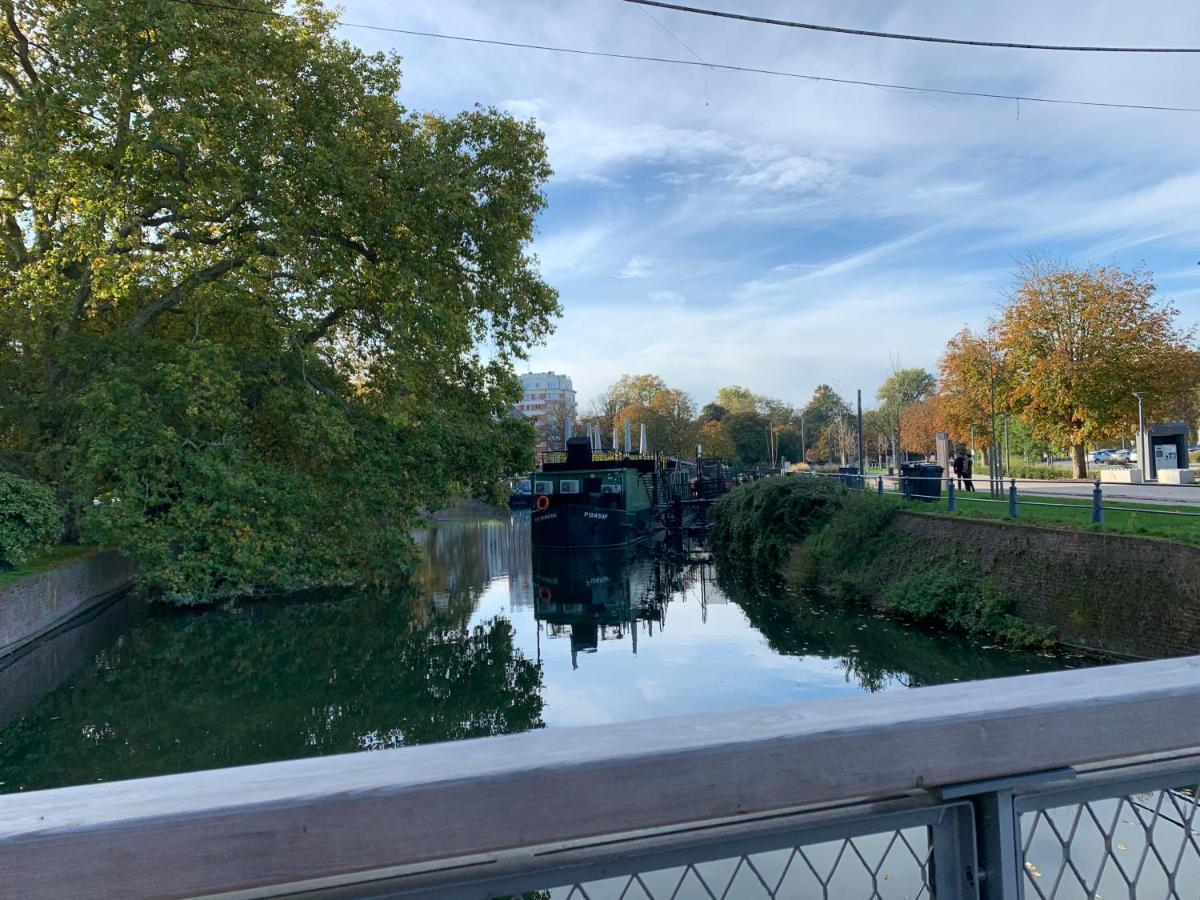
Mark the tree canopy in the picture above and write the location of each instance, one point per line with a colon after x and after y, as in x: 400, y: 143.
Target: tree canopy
x: 1078, y: 342
x: 247, y: 294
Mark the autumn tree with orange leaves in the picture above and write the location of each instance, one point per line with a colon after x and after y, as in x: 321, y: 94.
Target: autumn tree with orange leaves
x: 972, y: 386
x: 919, y: 424
x: 1073, y: 345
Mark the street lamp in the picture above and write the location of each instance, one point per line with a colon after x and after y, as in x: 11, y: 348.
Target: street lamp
x: 1140, y: 443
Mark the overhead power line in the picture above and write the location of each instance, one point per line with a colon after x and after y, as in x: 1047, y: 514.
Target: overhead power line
x: 714, y: 66
x: 894, y: 36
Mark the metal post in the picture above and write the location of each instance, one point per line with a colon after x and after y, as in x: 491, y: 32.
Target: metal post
x: 1007, y: 449
x: 862, y: 459
x: 950, y: 504
x: 879, y: 485
x: 1012, y: 498
x: 954, y: 866
x: 1097, y: 504
x: 999, y: 846
x: 1140, y: 443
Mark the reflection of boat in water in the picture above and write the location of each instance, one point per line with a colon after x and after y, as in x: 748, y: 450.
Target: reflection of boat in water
x: 602, y: 595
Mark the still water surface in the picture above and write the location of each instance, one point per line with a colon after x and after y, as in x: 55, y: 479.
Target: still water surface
x: 491, y: 639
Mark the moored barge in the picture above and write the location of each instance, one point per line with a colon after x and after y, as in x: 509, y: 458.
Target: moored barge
x: 599, y: 499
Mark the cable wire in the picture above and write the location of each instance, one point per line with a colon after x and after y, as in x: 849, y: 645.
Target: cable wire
x: 894, y: 36
x: 714, y: 66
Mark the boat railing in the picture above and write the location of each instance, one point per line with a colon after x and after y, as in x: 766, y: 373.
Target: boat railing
x: 1073, y: 783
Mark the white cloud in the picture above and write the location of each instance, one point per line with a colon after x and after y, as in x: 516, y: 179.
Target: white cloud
x: 806, y: 223
x: 637, y: 267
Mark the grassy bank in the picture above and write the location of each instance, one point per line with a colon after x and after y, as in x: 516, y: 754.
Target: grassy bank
x: 816, y: 535
x: 1164, y: 522
x: 55, y: 556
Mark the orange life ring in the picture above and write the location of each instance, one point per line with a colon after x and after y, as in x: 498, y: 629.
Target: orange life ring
x: 543, y: 503
x: 544, y: 594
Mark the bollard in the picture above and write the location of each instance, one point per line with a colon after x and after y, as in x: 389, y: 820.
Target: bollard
x: 950, y: 494
x: 879, y: 485
x: 1012, y: 498
x: 1097, y: 505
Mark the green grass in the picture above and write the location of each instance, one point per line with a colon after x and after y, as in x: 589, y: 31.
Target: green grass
x: 1119, y: 518
x: 53, y: 557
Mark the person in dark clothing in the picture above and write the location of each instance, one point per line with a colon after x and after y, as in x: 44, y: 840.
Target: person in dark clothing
x: 967, y: 470
x: 957, y: 465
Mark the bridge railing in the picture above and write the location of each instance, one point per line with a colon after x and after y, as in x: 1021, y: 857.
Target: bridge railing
x: 1073, y: 783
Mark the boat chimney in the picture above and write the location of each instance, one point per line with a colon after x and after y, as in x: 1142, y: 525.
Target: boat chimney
x: 642, y: 441
x: 628, y: 437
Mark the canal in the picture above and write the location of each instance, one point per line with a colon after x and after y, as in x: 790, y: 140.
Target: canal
x: 489, y: 638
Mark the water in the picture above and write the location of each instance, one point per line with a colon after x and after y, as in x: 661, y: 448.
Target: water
x: 489, y: 639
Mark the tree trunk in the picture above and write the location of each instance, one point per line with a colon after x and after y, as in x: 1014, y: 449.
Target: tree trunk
x: 1078, y: 461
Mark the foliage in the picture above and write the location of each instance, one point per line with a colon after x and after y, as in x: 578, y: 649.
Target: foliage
x: 737, y: 399
x: 712, y: 412
x: 246, y: 293
x: 715, y: 439
x: 30, y: 519
x: 819, y: 535
x: 748, y: 431
x: 902, y: 388
x: 972, y: 386
x: 756, y: 525
x: 1079, y: 341
x: 919, y: 424
x: 954, y: 596
x: 668, y: 416
x: 824, y: 408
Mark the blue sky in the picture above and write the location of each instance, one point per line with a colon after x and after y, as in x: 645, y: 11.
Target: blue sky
x: 721, y: 228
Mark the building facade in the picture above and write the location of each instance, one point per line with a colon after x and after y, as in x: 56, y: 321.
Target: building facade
x: 549, y: 399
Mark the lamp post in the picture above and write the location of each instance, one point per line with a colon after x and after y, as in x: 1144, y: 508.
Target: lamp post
x: 1140, y: 443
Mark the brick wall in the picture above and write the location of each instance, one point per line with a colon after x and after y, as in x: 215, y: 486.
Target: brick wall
x: 33, y: 605
x: 1108, y: 593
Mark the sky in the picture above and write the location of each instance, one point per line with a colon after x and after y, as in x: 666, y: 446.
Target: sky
x: 729, y: 228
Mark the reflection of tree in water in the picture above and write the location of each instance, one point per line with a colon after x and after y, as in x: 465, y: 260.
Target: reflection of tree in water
x: 874, y: 650
x: 460, y: 557
x: 276, y: 680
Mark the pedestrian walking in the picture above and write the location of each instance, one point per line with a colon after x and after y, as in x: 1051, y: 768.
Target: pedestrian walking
x: 957, y: 465
x: 968, y: 470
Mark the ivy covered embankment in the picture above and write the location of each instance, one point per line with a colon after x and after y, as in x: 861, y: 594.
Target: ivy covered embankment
x: 815, y: 535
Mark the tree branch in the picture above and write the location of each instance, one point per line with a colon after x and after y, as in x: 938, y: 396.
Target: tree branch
x: 323, y: 325
x: 176, y: 295
x: 11, y: 80
x: 22, y: 42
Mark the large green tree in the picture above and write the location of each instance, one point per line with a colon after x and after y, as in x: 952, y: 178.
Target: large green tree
x: 254, y: 314
x: 1079, y: 341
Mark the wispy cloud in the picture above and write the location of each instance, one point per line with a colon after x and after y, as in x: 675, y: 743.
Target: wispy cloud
x: 637, y: 267
x: 804, y: 222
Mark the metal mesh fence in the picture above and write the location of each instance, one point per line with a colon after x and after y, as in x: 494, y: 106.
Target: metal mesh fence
x: 888, y: 866
x: 1140, y: 845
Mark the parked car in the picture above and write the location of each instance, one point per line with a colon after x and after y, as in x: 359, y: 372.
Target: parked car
x: 1099, y: 456
x: 1120, y: 456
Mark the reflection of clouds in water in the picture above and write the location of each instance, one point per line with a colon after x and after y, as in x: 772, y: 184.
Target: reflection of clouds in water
x: 697, y: 648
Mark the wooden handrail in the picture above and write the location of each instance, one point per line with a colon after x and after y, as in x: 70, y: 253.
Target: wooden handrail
x: 230, y: 829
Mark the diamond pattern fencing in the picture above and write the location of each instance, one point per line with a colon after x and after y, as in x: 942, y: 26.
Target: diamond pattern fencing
x: 1142, y: 845
x: 889, y: 866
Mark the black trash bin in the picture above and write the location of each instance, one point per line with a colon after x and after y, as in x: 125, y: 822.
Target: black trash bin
x: 923, y: 481
x: 849, y: 476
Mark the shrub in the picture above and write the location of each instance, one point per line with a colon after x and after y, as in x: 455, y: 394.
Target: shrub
x: 959, y: 599
x: 757, y: 524
x: 30, y: 519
